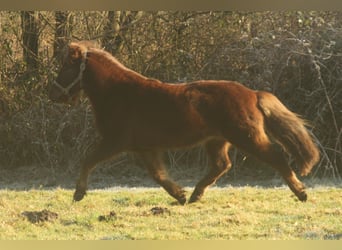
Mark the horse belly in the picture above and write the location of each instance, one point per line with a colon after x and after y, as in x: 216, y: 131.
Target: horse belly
x: 169, y: 133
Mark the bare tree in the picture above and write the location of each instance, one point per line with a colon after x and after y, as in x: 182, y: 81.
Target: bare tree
x: 62, y: 31
x: 116, y: 25
x: 30, y: 36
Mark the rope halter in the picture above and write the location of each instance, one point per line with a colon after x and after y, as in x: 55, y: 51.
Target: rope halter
x: 67, y: 89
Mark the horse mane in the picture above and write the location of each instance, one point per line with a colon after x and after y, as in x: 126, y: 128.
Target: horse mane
x: 109, y: 61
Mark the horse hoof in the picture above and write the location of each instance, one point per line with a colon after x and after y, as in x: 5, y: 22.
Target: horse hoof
x: 181, y: 197
x: 302, y: 196
x: 194, y: 198
x: 182, y: 200
x: 78, y: 195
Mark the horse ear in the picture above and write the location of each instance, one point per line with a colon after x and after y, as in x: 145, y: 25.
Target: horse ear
x: 74, y: 53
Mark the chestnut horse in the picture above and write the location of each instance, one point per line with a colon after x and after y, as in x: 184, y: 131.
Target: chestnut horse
x: 142, y: 115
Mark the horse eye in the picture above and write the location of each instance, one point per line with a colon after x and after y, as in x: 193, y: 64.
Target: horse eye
x: 71, y: 60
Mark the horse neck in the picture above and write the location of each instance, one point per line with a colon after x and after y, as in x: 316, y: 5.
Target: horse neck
x: 102, y: 76
x: 107, y: 69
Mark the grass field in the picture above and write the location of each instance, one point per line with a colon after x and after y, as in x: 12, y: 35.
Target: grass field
x: 149, y: 213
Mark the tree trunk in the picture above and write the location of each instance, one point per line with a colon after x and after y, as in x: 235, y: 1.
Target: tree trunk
x: 111, y: 40
x: 62, y: 33
x: 117, y: 24
x: 30, y: 36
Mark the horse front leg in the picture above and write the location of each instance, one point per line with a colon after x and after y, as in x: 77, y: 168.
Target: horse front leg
x: 102, y: 152
x: 153, y: 161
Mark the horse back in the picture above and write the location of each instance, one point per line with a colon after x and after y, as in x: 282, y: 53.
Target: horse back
x: 165, y: 115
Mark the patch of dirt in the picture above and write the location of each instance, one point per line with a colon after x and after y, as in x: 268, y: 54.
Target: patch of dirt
x: 159, y: 210
x: 40, y: 216
x: 108, y: 217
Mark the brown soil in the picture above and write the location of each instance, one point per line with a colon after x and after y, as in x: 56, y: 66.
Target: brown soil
x: 40, y: 216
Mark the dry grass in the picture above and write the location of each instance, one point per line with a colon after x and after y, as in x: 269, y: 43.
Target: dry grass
x: 224, y: 213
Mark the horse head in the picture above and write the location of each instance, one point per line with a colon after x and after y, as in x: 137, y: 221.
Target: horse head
x: 70, y: 77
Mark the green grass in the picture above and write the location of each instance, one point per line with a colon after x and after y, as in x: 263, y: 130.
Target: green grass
x: 224, y: 213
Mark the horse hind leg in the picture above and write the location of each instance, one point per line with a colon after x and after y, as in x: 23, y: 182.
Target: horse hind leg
x: 278, y: 161
x: 219, y: 162
x: 153, y: 162
x: 260, y: 146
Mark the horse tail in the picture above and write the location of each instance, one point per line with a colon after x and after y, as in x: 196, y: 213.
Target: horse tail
x: 288, y: 129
